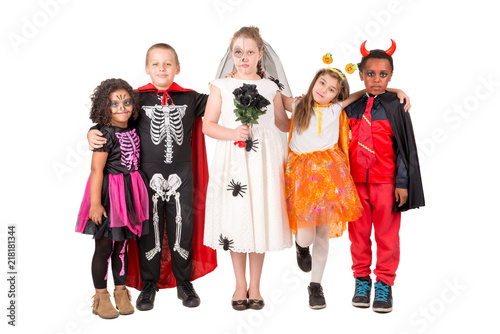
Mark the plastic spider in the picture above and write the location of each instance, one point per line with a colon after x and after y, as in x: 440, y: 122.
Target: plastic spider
x: 251, y: 144
x: 237, y: 188
x: 277, y: 82
x: 226, y: 243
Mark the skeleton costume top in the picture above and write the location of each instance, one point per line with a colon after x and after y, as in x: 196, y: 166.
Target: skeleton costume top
x: 173, y: 158
x: 246, y: 209
x: 124, y: 195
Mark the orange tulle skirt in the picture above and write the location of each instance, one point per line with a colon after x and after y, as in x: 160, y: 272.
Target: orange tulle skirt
x: 320, y: 191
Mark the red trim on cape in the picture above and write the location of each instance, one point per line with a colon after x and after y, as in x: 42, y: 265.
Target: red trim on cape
x: 204, y: 259
x: 173, y: 88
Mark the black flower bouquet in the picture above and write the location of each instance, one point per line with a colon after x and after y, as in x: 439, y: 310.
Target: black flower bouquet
x: 249, y: 106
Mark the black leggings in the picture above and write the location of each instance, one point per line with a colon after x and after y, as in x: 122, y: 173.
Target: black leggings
x: 106, y: 250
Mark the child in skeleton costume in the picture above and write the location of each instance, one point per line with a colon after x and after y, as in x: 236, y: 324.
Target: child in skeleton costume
x: 385, y: 169
x: 172, y: 146
x: 246, y: 210
x: 115, y: 204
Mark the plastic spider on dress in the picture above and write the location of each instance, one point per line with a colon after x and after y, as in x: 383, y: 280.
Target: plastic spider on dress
x: 226, y: 243
x: 237, y: 188
x: 251, y: 145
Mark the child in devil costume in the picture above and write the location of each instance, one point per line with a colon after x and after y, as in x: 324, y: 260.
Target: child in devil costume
x: 384, y: 166
x: 172, y: 146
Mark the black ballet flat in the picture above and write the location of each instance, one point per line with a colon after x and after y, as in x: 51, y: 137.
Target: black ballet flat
x: 256, y: 304
x: 240, y: 304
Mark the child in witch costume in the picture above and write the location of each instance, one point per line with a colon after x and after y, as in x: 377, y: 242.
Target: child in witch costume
x: 385, y: 169
x: 115, y: 205
x: 172, y: 147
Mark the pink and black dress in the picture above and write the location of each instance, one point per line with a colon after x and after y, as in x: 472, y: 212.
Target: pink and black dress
x: 124, y: 195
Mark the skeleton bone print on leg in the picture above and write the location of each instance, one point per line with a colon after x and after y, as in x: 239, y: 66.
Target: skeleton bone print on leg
x: 165, y: 189
x: 130, y: 146
x: 166, y: 124
x: 122, y: 257
x: 159, y: 185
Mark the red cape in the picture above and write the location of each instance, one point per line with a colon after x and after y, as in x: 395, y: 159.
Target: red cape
x: 204, y: 259
x: 173, y: 88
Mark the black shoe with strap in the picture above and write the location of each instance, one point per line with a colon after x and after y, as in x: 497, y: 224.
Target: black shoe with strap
x: 146, y: 299
x: 304, y: 259
x: 186, y: 293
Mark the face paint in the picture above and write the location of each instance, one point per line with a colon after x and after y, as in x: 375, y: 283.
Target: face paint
x: 121, y: 108
x: 246, y: 55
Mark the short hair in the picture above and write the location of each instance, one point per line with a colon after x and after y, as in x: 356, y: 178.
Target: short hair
x: 375, y: 54
x: 165, y: 47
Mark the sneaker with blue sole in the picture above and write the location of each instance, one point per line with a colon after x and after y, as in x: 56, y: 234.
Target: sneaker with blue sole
x: 362, y: 292
x: 383, y: 298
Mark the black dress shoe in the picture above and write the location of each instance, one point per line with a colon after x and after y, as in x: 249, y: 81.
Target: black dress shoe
x: 146, y: 299
x: 304, y: 259
x: 186, y: 293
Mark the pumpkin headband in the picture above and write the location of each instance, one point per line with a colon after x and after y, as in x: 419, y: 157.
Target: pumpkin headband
x: 327, y: 59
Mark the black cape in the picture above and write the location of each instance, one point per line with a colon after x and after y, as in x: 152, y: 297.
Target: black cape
x: 402, y: 128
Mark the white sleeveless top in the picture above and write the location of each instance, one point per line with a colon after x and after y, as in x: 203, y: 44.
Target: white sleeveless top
x: 309, y: 140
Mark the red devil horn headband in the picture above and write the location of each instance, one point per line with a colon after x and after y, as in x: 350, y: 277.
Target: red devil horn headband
x: 389, y: 51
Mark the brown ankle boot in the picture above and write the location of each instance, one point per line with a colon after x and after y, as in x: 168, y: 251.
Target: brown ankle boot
x: 102, y: 306
x: 123, y: 302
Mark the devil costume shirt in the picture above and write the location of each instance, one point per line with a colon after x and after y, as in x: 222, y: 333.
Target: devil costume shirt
x: 124, y: 195
x: 394, y: 139
x: 245, y: 207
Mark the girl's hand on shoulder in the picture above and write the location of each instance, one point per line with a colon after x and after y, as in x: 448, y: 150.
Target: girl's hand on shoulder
x: 96, y: 212
x: 402, y: 98
x: 241, y: 133
x: 95, y: 138
x: 298, y: 98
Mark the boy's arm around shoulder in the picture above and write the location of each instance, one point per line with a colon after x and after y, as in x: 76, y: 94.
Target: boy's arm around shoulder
x: 200, y: 104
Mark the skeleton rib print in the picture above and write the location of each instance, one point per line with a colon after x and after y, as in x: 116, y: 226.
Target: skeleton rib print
x: 130, y: 146
x: 166, y: 124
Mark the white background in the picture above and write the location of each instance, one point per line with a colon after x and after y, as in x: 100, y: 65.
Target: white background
x: 55, y: 52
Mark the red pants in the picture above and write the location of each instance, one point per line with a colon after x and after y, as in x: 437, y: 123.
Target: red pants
x: 377, y: 201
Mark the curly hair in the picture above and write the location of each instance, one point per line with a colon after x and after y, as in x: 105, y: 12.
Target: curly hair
x: 304, y: 109
x: 100, y: 111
